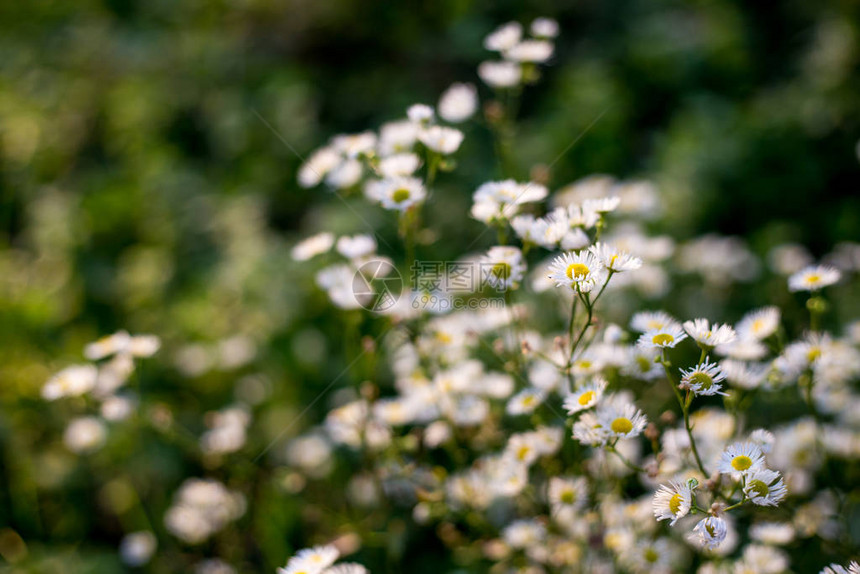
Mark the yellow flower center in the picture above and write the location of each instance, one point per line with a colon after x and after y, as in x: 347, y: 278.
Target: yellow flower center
x: 741, y: 462
x: 643, y: 363
x: 568, y: 497
x: 675, y: 503
x: 621, y: 425
x: 759, y: 487
x: 523, y: 452
x: 586, y: 397
x: 577, y: 270
x: 583, y: 364
x: 528, y: 401
x: 650, y: 555
x: 703, y: 380
x: 813, y: 354
x: 663, y: 339
x: 400, y: 195
x: 501, y: 270
x: 813, y: 278
x: 757, y: 325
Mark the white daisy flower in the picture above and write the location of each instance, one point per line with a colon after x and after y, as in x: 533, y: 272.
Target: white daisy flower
x: 709, y: 335
x: 567, y: 492
x: 580, y: 216
x: 500, y: 74
x: 764, y: 439
x: 525, y: 401
x: 420, y: 113
x: 586, y: 396
x: 504, y: 37
x: 581, y: 269
x: 666, y: 337
x: 523, y: 448
x: 672, y: 502
x: 772, y: 533
x: 813, y: 278
x: 523, y: 226
x: 760, y: 559
x: 72, y: 381
x: 601, y: 205
x: 318, y: 165
x: 503, y: 267
x: 510, y: 192
x: 345, y: 175
x: 535, y: 51
x: 397, y: 193
x: 397, y: 137
x: 741, y: 458
x: 315, y: 559
x: 574, y: 239
x: 613, y: 259
x: 853, y: 568
x: 589, y: 431
x: 641, y: 364
x: 759, y: 324
x: 621, y: 421
x: 441, y: 139
x: 356, y: 246
x: 744, y: 375
x: 711, y: 531
x: 524, y: 533
x: 312, y: 246
x: 354, y: 145
x: 704, y: 379
x: 458, y: 103
x: 399, y: 165
x: 544, y: 28
x: 545, y: 231
x: 650, y: 320
x: 85, y: 434
x: 346, y: 568
x: 765, y: 487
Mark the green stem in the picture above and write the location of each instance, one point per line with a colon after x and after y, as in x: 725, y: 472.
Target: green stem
x: 590, y: 309
x: 685, y: 408
x: 627, y: 463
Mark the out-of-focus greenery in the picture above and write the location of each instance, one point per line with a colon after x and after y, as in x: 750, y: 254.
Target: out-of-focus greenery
x: 148, y: 153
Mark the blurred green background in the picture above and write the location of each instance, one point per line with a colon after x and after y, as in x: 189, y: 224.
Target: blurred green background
x: 148, y: 153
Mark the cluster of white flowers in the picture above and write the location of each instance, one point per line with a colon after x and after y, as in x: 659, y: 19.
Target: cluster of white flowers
x: 519, y: 54
x: 524, y: 428
x: 202, y: 507
x: 509, y: 463
x: 101, y: 380
x: 228, y: 430
x: 386, y: 163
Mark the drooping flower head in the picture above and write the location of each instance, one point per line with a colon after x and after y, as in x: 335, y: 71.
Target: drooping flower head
x: 765, y: 487
x: 672, y: 502
x: 711, y: 531
x: 704, y: 379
